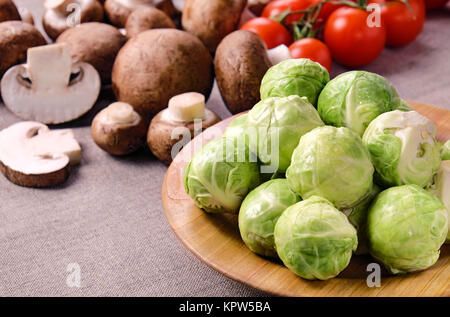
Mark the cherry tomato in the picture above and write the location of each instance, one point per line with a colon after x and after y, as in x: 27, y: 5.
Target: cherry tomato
x: 272, y: 32
x: 435, y: 4
x: 313, y: 49
x: 352, y: 42
x: 277, y: 7
x: 325, y: 12
x: 402, y: 25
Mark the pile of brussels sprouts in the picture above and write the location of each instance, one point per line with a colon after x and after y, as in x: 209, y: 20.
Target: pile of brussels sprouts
x: 319, y: 170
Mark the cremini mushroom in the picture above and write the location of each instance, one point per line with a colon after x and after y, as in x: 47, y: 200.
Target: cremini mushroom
x: 158, y: 64
x: 240, y: 64
x: 33, y: 156
x: 212, y: 20
x: 118, y: 129
x: 16, y: 37
x: 183, y: 110
x: 50, y: 88
x: 119, y: 10
x: 147, y: 18
x: 61, y: 15
x: 94, y: 43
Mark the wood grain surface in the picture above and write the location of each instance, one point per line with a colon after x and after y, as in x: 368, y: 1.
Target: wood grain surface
x: 215, y: 240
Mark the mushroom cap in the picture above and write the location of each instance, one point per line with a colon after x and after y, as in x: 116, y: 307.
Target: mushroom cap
x: 240, y: 64
x: 159, y: 137
x: 16, y: 37
x: 55, y: 107
x: 158, y: 64
x: 55, y: 22
x: 94, y: 43
x: 212, y: 20
x: 118, y: 138
x: 118, y: 11
x: 8, y: 11
x: 33, y: 156
x: 147, y: 18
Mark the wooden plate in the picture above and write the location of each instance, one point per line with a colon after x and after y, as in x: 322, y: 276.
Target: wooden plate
x: 215, y: 240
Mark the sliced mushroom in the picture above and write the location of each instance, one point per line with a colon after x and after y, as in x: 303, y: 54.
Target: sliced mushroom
x: 8, y: 11
x: 16, y: 37
x: 240, y: 64
x: 119, y: 10
x: 64, y: 14
x: 33, y: 156
x: 165, y: 132
x: 94, y: 43
x: 278, y: 54
x: 50, y: 88
x: 146, y: 19
x: 118, y: 129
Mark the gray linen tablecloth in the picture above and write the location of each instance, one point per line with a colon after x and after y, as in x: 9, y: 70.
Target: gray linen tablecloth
x: 107, y: 220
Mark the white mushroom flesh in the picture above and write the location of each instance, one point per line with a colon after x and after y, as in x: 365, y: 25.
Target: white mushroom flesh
x: 186, y: 107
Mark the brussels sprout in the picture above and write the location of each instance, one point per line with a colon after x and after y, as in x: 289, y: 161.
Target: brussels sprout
x: 355, y: 98
x: 403, y: 148
x: 237, y: 127
x: 278, y: 124
x: 402, y: 106
x: 358, y: 218
x: 301, y: 77
x: 441, y: 189
x: 445, y: 151
x: 259, y: 213
x: 332, y: 163
x: 406, y: 227
x: 314, y: 239
x: 220, y: 175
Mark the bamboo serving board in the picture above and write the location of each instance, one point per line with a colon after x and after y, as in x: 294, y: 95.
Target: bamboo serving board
x: 215, y: 240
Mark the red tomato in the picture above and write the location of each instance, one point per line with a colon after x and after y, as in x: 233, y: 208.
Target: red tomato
x: 435, y: 4
x: 313, y: 49
x: 350, y: 39
x: 326, y: 11
x: 401, y: 25
x: 274, y: 8
x: 272, y: 32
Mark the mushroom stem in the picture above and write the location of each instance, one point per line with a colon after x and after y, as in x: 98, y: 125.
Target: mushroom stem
x: 119, y: 113
x: 187, y: 107
x: 49, y: 67
x: 58, y: 5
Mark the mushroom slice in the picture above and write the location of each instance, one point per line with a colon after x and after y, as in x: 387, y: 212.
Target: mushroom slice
x: 33, y: 156
x: 49, y: 88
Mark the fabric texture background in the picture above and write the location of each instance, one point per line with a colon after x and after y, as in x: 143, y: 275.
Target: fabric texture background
x: 108, y: 217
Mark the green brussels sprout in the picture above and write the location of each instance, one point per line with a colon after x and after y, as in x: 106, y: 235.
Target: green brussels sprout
x: 237, y: 127
x: 403, y: 148
x: 259, y: 213
x: 278, y: 124
x: 406, y: 227
x: 445, y: 151
x: 357, y: 216
x: 402, y: 106
x: 220, y: 175
x: 355, y: 98
x: 441, y: 189
x: 332, y: 163
x: 314, y: 239
x: 301, y: 77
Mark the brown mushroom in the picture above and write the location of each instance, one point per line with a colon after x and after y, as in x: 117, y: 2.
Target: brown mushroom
x: 158, y: 64
x: 147, y: 18
x: 16, y: 37
x: 94, y: 43
x: 240, y: 64
x: 177, y: 123
x: 212, y: 20
x: 257, y: 6
x: 119, y: 10
x: 8, y: 11
x: 118, y: 129
x: 61, y: 15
